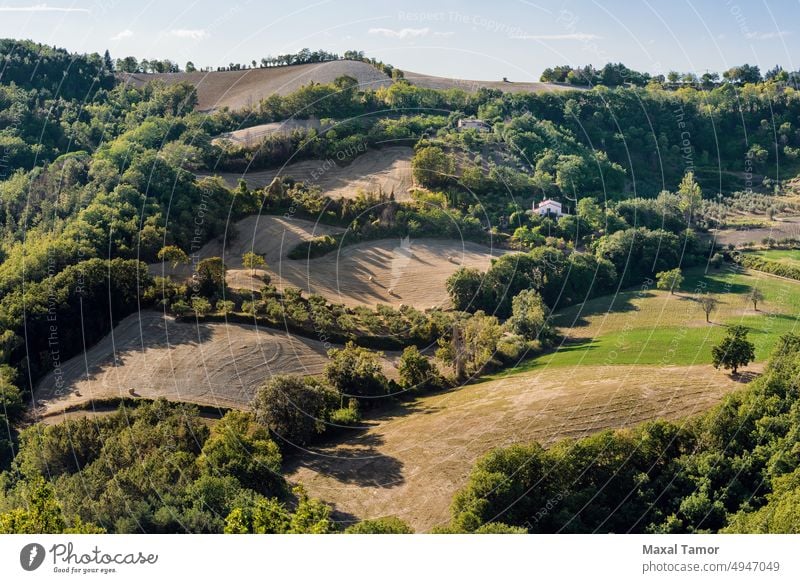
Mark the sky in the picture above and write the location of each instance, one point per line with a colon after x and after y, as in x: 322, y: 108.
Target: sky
x: 466, y: 39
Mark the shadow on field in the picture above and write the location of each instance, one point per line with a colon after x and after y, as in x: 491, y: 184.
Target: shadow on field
x: 576, y: 316
x: 353, y: 460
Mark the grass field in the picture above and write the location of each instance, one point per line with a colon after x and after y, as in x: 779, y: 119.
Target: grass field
x: 653, y: 327
x: 790, y: 256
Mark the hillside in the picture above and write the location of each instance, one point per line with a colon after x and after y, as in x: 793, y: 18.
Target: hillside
x: 471, y: 85
x: 356, y: 275
x: 238, y: 89
x: 386, y: 170
x: 209, y: 363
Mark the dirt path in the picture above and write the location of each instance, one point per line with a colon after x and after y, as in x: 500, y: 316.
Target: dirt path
x: 411, y: 462
x: 214, y: 364
x: 385, y: 169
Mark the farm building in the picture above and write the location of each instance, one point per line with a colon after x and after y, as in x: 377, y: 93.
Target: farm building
x: 548, y: 207
x: 473, y: 124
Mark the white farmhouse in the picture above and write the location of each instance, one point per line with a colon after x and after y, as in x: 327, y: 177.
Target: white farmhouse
x: 548, y: 207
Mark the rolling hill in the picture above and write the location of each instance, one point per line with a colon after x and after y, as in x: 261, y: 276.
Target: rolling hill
x: 238, y: 89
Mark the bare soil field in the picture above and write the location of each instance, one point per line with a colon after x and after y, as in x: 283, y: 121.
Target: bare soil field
x: 410, y: 462
x: 252, y: 136
x: 384, y: 169
x: 210, y: 363
x: 239, y: 89
x: 414, y: 270
x: 471, y: 86
x: 781, y: 228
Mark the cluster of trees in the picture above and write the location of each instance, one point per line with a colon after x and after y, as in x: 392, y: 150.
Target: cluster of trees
x: 779, y: 268
x: 304, y: 56
x: 611, y: 75
x: 564, y: 276
x: 479, y: 342
x: 156, y: 467
x: 733, y: 469
x: 298, y: 410
x: 153, y: 467
x: 52, y: 71
x: 133, y: 65
x: 617, y: 74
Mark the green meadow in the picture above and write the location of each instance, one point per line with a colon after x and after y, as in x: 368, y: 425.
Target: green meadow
x: 653, y: 327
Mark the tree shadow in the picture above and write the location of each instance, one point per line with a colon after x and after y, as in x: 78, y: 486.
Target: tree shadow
x: 351, y: 460
x: 745, y: 377
x: 577, y: 316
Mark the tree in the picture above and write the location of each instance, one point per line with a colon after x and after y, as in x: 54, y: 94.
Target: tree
x: 432, y: 166
x: 253, y: 261
x: 240, y: 447
x: 708, y: 303
x: 472, y: 344
x: 201, y: 306
x: 211, y: 277
x: 463, y: 287
x: 108, y: 63
x: 173, y: 255
x: 415, y: 369
x: 356, y: 372
x: 40, y: 513
x: 734, y: 351
x: 755, y: 296
x: 190, y: 68
x: 529, y: 316
x: 691, y: 196
x: 670, y: 280
x: 293, y: 408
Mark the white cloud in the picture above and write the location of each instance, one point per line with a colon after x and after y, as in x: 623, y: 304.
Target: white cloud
x: 581, y: 36
x: 194, y: 34
x: 122, y: 34
x: 767, y: 35
x: 41, y: 8
x: 402, y: 33
x: 445, y: 34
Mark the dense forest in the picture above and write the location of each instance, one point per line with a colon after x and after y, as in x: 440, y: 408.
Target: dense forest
x: 99, y: 178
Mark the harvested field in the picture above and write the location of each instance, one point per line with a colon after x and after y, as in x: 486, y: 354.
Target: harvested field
x: 782, y: 228
x: 361, y: 274
x: 412, y: 461
x: 471, y: 86
x: 239, y: 89
x: 252, y: 136
x: 214, y: 364
x: 384, y: 169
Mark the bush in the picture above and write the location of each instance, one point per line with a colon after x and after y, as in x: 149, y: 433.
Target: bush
x: 356, y: 371
x: 385, y: 525
x: 346, y: 416
x: 294, y: 408
x: 416, y: 370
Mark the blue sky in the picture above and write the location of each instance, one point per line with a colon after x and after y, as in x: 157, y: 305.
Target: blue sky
x: 466, y: 39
